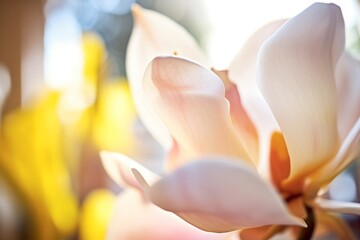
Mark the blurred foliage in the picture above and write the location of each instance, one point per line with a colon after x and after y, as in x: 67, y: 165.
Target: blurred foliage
x: 40, y: 150
x: 31, y: 157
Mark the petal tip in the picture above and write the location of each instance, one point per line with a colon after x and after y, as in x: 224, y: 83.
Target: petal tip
x: 110, y: 166
x: 299, y: 222
x: 136, y: 11
x: 105, y: 157
x: 140, y: 178
x: 104, y: 154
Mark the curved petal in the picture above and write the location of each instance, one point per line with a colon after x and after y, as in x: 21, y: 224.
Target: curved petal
x: 243, y: 125
x: 296, y: 77
x: 118, y: 167
x: 220, y: 195
x: 153, y: 35
x: 348, y: 87
x: 337, y: 206
x: 190, y: 100
x: 136, y: 218
x: 348, y: 152
x: 242, y: 71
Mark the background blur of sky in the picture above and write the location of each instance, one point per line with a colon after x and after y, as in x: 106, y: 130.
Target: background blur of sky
x: 221, y: 27
x: 232, y: 21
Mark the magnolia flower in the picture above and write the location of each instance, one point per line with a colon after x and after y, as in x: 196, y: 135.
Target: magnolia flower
x: 247, y: 155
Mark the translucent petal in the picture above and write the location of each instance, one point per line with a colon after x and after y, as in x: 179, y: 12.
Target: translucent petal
x: 190, y: 100
x: 348, y: 87
x: 118, y: 167
x: 348, y: 152
x: 242, y: 71
x: 220, y: 195
x: 337, y: 206
x: 296, y: 77
x: 242, y: 123
x: 153, y: 35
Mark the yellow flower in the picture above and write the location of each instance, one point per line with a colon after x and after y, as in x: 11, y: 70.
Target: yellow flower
x: 31, y: 160
x: 245, y: 153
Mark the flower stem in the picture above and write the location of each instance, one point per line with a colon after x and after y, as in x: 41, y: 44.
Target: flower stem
x: 306, y: 233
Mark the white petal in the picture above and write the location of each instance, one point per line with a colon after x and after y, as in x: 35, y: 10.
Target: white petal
x: 337, y: 206
x: 296, y: 77
x: 153, y: 35
x: 243, y: 125
x: 348, y: 152
x: 190, y: 99
x: 220, y: 195
x: 118, y: 167
x: 243, y: 72
x: 348, y: 86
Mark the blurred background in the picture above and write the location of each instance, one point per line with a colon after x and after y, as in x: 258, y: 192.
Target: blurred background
x: 64, y: 97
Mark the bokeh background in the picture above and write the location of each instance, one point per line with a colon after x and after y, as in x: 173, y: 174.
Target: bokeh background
x: 64, y: 97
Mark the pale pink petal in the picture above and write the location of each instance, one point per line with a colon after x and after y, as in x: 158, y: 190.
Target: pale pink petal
x: 243, y: 125
x: 348, y: 152
x: 296, y: 77
x: 348, y: 86
x: 153, y: 35
x: 190, y: 100
x: 245, y: 128
x: 242, y: 71
x: 135, y: 218
x: 220, y: 195
x: 337, y: 206
x: 118, y: 167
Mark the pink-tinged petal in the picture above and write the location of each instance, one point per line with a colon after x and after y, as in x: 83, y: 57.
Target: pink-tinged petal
x: 220, y: 195
x: 243, y: 125
x: 153, y: 35
x: 337, y: 206
x: 136, y: 218
x: 348, y: 86
x: 242, y: 71
x: 190, y: 100
x: 296, y: 77
x: 118, y: 167
x: 348, y: 152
